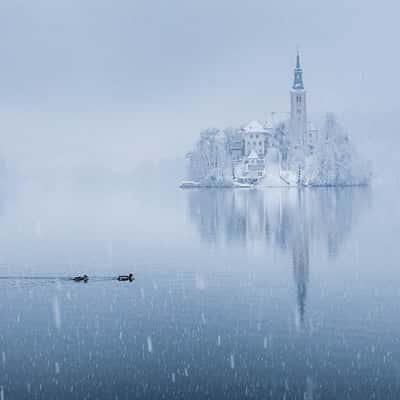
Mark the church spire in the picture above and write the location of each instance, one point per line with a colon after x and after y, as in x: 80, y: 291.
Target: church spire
x: 298, y: 60
x: 298, y: 74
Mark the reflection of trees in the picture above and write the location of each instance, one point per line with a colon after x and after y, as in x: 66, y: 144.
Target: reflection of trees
x: 227, y: 215
x: 290, y: 219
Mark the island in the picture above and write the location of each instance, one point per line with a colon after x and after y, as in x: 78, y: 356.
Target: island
x: 283, y: 151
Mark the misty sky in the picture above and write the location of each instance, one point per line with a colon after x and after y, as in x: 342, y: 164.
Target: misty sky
x: 116, y: 82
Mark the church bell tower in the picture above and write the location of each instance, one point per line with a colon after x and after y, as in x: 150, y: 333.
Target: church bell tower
x: 298, y: 109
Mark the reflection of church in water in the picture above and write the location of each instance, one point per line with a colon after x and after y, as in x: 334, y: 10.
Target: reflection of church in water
x: 290, y: 219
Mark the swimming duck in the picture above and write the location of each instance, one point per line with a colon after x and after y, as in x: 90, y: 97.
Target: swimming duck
x: 83, y: 278
x: 129, y: 278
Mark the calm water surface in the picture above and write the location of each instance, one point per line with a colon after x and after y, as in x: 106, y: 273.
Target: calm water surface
x: 269, y: 293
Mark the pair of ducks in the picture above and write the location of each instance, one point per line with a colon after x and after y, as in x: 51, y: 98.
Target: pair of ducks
x: 85, y: 278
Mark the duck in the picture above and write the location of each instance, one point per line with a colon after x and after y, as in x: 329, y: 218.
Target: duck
x: 83, y: 278
x: 129, y: 278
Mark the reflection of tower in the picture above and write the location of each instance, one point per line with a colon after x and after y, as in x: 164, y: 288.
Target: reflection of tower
x: 301, y: 273
x: 300, y: 254
x: 298, y: 107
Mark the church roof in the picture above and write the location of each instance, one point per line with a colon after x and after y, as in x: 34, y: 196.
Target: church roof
x: 253, y: 154
x: 254, y: 126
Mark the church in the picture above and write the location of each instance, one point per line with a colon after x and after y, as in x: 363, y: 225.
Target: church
x: 253, y: 148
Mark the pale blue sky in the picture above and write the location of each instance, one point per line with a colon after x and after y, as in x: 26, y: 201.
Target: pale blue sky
x: 115, y: 82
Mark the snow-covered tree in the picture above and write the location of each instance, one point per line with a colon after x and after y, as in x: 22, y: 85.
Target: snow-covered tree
x: 335, y: 161
x: 280, y: 140
x: 210, y: 162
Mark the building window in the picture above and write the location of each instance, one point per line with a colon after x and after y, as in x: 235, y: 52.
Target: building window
x: 298, y: 99
x: 256, y: 136
x: 260, y: 143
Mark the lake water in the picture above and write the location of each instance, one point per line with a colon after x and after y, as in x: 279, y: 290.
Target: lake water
x: 270, y: 293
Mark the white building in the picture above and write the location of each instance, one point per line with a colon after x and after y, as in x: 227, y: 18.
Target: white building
x: 254, y: 139
x: 253, y: 168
